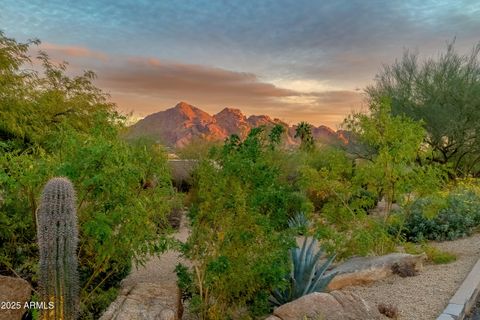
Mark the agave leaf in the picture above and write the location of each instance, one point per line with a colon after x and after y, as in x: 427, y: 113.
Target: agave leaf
x: 300, y: 263
x: 319, y: 275
x: 278, y: 298
x: 321, y: 269
x: 306, y: 275
x: 309, y: 256
x: 323, y: 283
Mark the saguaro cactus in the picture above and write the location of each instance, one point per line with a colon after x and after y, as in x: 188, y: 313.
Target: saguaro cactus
x: 57, y: 234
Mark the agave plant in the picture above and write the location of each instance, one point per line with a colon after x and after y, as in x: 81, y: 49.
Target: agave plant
x: 299, y: 222
x: 307, y: 275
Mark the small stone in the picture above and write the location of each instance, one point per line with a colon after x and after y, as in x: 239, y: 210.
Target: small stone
x: 167, y: 314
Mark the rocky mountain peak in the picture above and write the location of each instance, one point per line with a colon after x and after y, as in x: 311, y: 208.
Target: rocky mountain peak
x: 184, y: 123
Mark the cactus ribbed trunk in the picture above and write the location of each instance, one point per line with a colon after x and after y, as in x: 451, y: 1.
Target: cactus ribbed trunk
x: 57, y: 234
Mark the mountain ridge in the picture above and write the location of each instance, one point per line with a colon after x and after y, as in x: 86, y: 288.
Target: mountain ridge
x: 184, y: 123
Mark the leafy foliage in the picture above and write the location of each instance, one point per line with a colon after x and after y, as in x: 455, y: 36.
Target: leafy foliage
x: 307, y: 275
x: 304, y: 132
x: 443, y: 93
x: 275, y: 135
x: 239, y: 242
x: 299, y: 222
x: 342, y: 202
x: 56, y: 125
x: 455, y: 219
x: 387, y: 165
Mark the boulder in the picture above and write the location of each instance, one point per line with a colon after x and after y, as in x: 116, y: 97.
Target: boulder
x: 336, y: 305
x: 16, y: 291
x: 146, y: 301
x: 363, y: 270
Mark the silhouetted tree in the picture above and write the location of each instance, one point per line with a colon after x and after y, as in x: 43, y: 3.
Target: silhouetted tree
x: 304, y: 132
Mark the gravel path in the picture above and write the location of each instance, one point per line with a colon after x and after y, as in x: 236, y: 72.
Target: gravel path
x: 160, y: 269
x: 424, y: 296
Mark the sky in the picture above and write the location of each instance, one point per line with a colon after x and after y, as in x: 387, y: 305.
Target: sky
x: 291, y: 59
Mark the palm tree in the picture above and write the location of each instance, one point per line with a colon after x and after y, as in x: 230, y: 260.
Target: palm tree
x: 304, y: 132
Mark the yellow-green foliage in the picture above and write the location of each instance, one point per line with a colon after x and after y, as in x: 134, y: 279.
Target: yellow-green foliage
x: 363, y: 236
x: 434, y: 254
x: 56, y: 125
x: 443, y: 92
x: 240, y: 238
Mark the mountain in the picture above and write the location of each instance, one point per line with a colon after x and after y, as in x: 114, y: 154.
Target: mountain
x: 180, y: 125
x: 232, y: 121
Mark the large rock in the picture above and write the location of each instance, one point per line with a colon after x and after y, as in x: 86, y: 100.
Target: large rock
x: 13, y: 290
x: 327, y: 306
x: 146, y: 301
x: 363, y: 270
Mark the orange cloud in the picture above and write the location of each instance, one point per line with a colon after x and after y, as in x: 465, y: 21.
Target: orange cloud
x: 144, y: 85
x: 147, y: 85
x: 160, y: 78
x: 72, y: 51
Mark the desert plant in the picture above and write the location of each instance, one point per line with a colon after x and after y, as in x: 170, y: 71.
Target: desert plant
x: 299, y: 222
x: 307, y: 274
x: 455, y: 218
x: 304, y: 132
x: 434, y: 255
x: 57, y: 240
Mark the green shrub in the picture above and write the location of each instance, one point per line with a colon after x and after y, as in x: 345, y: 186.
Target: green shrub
x: 363, y: 235
x: 59, y: 125
x: 456, y: 217
x: 240, y: 239
x: 434, y: 255
x: 439, y: 257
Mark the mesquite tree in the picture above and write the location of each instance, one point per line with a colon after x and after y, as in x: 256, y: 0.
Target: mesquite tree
x: 57, y: 241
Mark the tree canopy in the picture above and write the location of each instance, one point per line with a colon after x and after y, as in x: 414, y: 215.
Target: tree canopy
x: 443, y: 93
x: 53, y: 124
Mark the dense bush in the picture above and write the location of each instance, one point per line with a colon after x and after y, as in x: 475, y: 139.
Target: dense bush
x: 452, y: 218
x: 364, y: 236
x: 443, y: 92
x: 55, y: 125
x: 239, y: 243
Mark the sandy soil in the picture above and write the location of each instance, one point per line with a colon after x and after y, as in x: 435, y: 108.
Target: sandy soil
x: 424, y: 296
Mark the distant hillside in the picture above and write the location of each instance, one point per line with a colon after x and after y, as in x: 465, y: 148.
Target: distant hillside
x: 178, y: 126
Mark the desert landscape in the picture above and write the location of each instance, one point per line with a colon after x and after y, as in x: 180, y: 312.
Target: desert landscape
x: 202, y: 161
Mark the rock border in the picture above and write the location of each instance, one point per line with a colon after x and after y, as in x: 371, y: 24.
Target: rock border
x: 465, y: 296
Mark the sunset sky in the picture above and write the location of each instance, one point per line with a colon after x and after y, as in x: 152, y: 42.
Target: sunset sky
x: 295, y: 60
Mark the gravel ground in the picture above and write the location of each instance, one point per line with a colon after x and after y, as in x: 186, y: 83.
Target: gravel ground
x: 424, y: 296
x: 160, y: 269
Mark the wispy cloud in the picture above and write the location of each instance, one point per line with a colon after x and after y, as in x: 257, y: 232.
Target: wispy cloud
x: 272, y: 55
x: 72, y: 51
x: 154, y: 77
x: 156, y: 84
